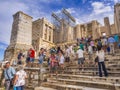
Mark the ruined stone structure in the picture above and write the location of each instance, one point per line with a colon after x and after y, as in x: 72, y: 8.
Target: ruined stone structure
x: 117, y: 17
x: 107, y: 26
x: 87, y: 29
x: 21, y: 35
x: 41, y: 33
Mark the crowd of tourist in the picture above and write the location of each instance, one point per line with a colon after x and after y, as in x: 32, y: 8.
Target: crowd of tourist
x: 56, y: 58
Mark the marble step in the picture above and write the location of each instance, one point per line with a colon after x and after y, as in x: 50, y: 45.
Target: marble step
x: 93, y: 68
x: 62, y: 86
x: 43, y: 88
x: 90, y: 78
x: 91, y: 73
x: 102, y: 85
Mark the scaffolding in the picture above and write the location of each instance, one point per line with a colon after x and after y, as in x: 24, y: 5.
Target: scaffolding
x: 62, y: 21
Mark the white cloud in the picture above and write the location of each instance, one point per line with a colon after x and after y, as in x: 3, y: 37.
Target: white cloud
x: 99, y: 7
x: 8, y: 8
x: 100, y: 10
x: 71, y: 10
x: 116, y: 1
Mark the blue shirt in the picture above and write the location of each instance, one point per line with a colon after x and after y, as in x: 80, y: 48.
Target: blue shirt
x: 10, y: 71
x: 111, y: 40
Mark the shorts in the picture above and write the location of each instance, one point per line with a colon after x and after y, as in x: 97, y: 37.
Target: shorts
x: 27, y: 59
x: 19, y: 62
x: 31, y: 59
x: 67, y: 59
x: 80, y: 60
x: 54, y: 68
x: 40, y: 61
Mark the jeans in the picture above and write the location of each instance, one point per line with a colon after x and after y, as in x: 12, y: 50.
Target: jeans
x: 101, y: 65
x: 31, y: 59
x: 40, y: 61
x: 20, y: 88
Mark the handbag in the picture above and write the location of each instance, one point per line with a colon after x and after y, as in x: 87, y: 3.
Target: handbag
x: 96, y: 59
x: 11, y: 80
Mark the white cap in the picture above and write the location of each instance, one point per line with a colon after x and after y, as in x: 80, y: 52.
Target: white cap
x: 7, y: 62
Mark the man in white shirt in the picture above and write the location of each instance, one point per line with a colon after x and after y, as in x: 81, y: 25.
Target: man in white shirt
x: 101, y: 65
x: 90, y: 52
x: 80, y: 57
x: 67, y: 54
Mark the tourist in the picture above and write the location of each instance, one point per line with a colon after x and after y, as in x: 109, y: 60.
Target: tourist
x: 20, y: 57
x: 90, y: 51
x: 82, y: 46
x: 80, y: 58
x: 104, y: 43
x: 116, y: 37
x: 9, y: 73
x: 32, y: 56
x: 99, y: 44
x: 28, y: 58
x: 92, y: 44
x: 108, y: 49
x: 41, y: 57
x: 101, y: 65
x: 19, y: 80
x: 61, y: 59
x: 111, y: 42
x: 52, y: 50
x: 58, y: 49
x: 119, y: 45
x: 75, y: 48
x: 67, y: 54
x: 53, y: 63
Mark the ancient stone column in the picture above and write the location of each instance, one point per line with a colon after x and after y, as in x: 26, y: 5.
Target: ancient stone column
x: 107, y: 26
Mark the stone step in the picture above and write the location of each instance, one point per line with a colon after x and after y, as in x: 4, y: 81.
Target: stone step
x: 114, y: 65
x: 62, y: 86
x: 43, y: 88
x: 90, y: 78
x: 102, y: 85
x: 93, y: 68
x: 91, y: 73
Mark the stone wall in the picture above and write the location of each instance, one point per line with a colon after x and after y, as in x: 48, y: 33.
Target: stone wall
x: 21, y: 36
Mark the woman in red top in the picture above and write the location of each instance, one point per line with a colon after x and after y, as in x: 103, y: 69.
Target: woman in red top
x: 32, y: 56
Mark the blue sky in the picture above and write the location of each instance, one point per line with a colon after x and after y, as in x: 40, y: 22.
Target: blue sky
x: 82, y: 10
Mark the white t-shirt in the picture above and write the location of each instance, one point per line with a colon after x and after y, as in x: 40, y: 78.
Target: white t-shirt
x: 90, y: 50
x: 80, y: 53
x: 104, y: 41
x: 62, y: 59
x: 101, y: 55
x: 21, y: 78
x: 68, y: 52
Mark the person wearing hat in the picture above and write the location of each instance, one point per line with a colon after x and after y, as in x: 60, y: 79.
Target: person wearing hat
x: 9, y: 73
